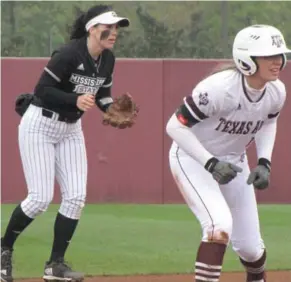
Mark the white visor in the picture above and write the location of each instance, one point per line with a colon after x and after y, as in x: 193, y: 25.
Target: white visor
x: 108, y: 18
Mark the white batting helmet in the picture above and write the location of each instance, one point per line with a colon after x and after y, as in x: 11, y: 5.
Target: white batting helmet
x: 257, y: 41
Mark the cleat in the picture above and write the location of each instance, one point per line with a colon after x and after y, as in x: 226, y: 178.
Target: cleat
x: 6, y: 264
x: 60, y: 271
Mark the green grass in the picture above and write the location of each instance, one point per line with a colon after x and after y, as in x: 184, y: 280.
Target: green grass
x: 130, y: 239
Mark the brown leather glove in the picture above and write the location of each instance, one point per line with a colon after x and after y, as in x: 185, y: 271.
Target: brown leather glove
x: 122, y: 112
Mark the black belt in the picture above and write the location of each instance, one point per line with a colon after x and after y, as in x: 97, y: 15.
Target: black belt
x: 49, y: 114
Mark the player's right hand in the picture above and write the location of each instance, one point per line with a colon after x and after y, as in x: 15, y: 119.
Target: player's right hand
x: 222, y: 172
x: 85, y: 102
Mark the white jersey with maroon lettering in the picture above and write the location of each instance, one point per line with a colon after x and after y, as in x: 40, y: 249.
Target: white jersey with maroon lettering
x: 227, y: 117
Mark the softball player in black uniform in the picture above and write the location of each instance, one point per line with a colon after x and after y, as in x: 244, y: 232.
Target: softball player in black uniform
x: 77, y: 77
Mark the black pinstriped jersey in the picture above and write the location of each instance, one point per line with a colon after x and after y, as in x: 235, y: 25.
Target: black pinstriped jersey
x: 70, y: 72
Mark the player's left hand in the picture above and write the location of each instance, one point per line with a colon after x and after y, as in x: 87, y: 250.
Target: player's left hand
x: 259, y: 177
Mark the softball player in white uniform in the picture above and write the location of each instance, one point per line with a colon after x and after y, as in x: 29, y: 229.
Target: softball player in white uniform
x: 77, y: 77
x: 210, y: 132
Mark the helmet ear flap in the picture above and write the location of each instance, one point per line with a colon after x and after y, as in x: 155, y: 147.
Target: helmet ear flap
x: 255, y: 62
x: 244, y: 62
x: 284, y: 61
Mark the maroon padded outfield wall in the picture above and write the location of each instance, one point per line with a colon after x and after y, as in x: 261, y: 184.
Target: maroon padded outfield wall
x: 130, y: 166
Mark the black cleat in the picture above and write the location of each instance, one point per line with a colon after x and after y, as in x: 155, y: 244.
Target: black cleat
x: 6, y: 264
x: 60, y: 271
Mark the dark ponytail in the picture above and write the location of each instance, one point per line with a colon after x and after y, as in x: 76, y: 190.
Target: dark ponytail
x: 78, y: 29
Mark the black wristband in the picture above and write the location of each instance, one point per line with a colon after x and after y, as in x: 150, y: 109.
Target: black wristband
x: 103, y: 108
x: 265, y: 162
x: 210, y: 164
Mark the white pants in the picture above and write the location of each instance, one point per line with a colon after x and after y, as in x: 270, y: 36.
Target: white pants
x: 52, y: 149
x: 231, y: 208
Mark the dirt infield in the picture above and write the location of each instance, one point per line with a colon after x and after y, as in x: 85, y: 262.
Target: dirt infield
x: 274, y: 276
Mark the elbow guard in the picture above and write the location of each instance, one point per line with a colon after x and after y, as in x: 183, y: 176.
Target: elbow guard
x: 185, y: 117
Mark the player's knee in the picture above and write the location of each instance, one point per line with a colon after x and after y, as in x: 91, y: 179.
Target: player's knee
x: 218, y: 236
x: 219, y: 233
x: 33, y: 208
x: 72, y: 207
x: 77, y: 201
x: 249, y: 251
x: 41, y: 206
